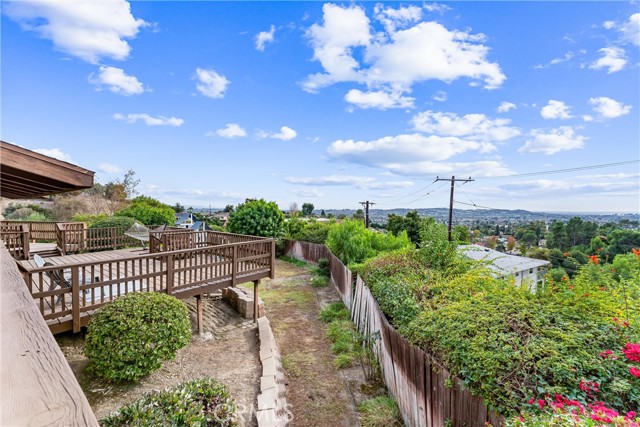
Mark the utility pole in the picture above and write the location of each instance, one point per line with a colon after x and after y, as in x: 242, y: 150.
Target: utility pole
x: 453, y: 182
x: 366, y: 212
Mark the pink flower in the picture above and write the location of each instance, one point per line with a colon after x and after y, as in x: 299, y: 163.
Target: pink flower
x: 632, y: 351
x: 541, y: 403
x: 635, y: 372
x: 530, y: 401
x: 605, y: 354
x: 630, y: 415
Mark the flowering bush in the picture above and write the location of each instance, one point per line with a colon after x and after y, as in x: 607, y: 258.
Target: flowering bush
x: 574, y: 338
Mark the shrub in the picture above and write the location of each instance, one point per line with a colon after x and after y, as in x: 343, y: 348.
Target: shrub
x: 353, y: 243
x: 508, y: 344
x: 129, y: 338
x: 204, y: 402
x: 334, y: 311
x: 113, y: 221
x: 257, y: 218
x: 149, y: 211
x: 381, y: 411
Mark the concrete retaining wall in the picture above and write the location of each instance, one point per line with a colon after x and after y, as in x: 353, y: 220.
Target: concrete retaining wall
x: 272, y: 401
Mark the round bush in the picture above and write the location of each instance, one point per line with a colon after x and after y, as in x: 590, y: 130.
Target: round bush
x: 129, y: 338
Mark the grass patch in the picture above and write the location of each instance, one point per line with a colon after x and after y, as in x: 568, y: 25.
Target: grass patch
x: 319, y: 282
x: 334, y: 311
x: 342, y: 334
x: 299, y: 364
x: 294, y: 261
x: 381, y: 411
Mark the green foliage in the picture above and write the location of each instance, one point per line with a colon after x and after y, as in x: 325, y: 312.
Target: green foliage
x: 149, y: 211
x: 334, y: 311
x: 381, y: 411
x: 127, y: 339
x: 294, y: 261
x: 204, y: 402
x: 88, y: 218
x: 307, y: 209
x: 307, y: 231
x: 113, y: 221
x: 504, y: 342
x: 257, y: 218
x: 411, y: 224
x: 353, y: 243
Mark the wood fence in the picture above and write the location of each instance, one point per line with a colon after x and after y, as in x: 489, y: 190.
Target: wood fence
x: 68, y: 294
x: 427, y: 395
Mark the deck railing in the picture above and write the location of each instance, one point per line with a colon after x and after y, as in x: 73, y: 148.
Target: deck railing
x: 39, y: 231
x: 68, y: 294
x: 16, y: 240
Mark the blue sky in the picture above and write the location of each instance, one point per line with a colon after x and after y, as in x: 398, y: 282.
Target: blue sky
x: 334, y: 103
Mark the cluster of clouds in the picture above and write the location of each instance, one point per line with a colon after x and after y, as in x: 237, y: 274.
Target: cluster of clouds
x: 603, y: 107
x: 234, y: 130
x: 407, y: 50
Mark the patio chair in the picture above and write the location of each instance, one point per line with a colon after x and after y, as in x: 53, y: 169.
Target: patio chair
x: 64, y: 280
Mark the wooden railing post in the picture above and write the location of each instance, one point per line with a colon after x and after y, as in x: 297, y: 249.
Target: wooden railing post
x: 114, y: 238
x: 234, y: 268
x: 272, y: 267
x: 75, y: 298
x: 25, y: 241
x: 61, y: 238
x: 169, y: 260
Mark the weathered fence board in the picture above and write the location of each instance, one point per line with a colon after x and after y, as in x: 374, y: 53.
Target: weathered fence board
x: 425, y: 392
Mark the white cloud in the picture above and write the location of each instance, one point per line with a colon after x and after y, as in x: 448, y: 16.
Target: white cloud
x: 555, y: 61
x: 265, y: 37
x: 393, y: 60
x: 440, y: 96
x: 149, y: 120
x: 308, y: 192
x: 505, y: 107
x: 608, y: 108
x: 56, y: 153
x: 436, y: 7
x: 471, y: 126
x: 89, y: 30
x: 587, y: 118
x: 210, y: 83
x: 608, y: 25
x: 563, y: 138
x: 363, y: 182
x: 108, y: 168
x: 631, y: 29
x: 231, y: 130
x: 406, y: 147
x: 556, y: 110
x: 392, y: 18
x: 380, y: 100
x: 117, y: 81
x: 285, y: 134
x: 613, y: 58
x: 592, y: 185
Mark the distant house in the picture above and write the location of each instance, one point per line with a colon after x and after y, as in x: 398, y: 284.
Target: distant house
x: 223, y: 217
x: 525, y: 270
x: 187, y: 220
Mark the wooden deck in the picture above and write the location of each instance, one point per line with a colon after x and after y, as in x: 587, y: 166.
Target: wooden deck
x: 97, y: 278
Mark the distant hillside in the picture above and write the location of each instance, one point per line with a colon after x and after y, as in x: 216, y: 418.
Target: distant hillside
x: 502, y: 216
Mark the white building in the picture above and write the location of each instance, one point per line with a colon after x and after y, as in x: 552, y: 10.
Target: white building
x: 526, y: 271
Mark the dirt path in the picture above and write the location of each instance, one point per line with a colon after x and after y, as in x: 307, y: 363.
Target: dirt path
x: 229, y: 353
x: 317, y: 393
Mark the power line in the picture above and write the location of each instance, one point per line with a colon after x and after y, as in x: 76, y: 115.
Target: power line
x: 576, y: 169
x: 394, y: 200
x: 473, y: 204
x: 426, y: 195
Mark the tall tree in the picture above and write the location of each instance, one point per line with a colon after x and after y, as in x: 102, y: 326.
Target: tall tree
x: 307, y: 209
x: 257, y: 218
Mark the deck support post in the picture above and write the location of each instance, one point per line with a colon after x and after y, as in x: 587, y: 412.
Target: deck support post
x: 199, y: 306
x: 255, y: 300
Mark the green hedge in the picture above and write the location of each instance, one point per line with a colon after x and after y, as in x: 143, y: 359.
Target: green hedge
x: 128, y: 338
x: 204, y: 402
x: 505, y: 343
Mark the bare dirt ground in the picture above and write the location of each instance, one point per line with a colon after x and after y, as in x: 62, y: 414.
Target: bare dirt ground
x: 318, y: 394
x: 227, y: 351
